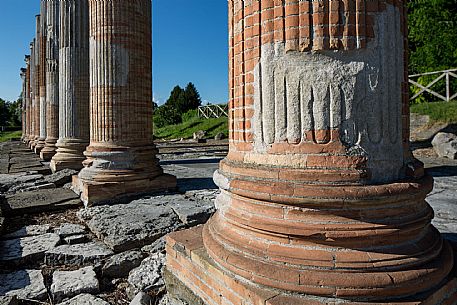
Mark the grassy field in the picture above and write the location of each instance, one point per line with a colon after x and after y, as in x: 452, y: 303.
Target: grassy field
x: 438, y: 111
x: 186, y: 129
x: 8, y: 135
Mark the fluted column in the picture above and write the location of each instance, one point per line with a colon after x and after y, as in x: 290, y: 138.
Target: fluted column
x: 42, y: 78
x: 52, y: 80
x: 121, y: 158
x: 321, y: 201
x: 73, y: 85
x: 36, y: 84
x: 23, y: 75
x: 27, y: 101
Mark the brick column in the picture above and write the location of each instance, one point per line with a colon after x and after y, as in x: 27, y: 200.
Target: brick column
x: 121, y: 158
x: 36, y: 86
x: 73, y: 85
x: 52, y: 80
x: 321, y: 201
x: 42, y: 79
x: 27, y: 101
x: 23, y: 105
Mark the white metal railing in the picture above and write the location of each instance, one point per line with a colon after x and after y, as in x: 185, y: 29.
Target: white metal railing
x: 445, y: 74
x: 213, y: 111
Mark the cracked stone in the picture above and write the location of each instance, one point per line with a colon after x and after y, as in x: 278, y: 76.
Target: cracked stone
x: 148, y: 276
x: 67, y: 284
x: 127, y: 226
x: 68, y: 229
x: 121, y: 264
x: 78, y: 254
x: 24, y: 284
x: 31, y: 230
x: 30, y: 248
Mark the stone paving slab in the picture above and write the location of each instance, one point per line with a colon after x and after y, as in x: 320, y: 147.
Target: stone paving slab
x: 25, y: 284
x: 39, y: 201
x: 67, y: 284
x: 30, y: 248
x: 127, y: 226
x: 85, y: 299
x: 79, y: 254
x: 31, y: 230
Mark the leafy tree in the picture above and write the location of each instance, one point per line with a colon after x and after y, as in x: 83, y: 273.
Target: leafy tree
x: 15, y: 111
x: 4, y: 113
x: 432, y: 35
x: 166, y: 115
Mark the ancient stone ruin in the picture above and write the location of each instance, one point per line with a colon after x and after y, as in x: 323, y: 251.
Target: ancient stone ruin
x: 320, y: 199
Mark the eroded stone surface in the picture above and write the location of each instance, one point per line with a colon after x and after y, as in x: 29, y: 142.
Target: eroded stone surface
x: 121, y: 264
x: 39, y: 201
x: 445, y: 145
x: 75, y: 239
x: 25, y: 284
x: 8, y: 300
x: 141, y: 299
x: 67, y: 284
x: 77, y: 254
x: 148, y: 276
x: 7, y: 181
x: 127, y: 226
x: 62, y: 177
x: 68, y: 229
x: 27, y: 248
x: 85, y: 299
x: 31, y: 230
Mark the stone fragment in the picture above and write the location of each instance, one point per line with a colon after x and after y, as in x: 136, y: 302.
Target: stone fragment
x: 141, y: 299
x: 79, y: 254
x: 39, y: 201
x: 148, y: 276
x: 85, y: 299
x: 125, y: 227
x: 445, y: 145
x: 192, y: 211
x: 199, y: 135
x: 168, y: 300
x: 8, y: 181
x: 31, y: 230
x: 8, y: 300
x: 30, y: 248
x: 34, y: 187
x: 2, y: 220
x: 76, y: 239
x: 24, y: 284
x: 219, y: 136
x: 68, y: 229
x: 67, y: 284
x: 62, y: 177
x: 121, y: 264
x: 156, y: 246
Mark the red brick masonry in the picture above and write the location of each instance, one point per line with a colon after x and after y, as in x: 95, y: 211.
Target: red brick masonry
x: 189, y: 263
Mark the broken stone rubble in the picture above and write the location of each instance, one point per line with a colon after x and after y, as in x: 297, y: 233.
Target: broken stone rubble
x: 67, y: 284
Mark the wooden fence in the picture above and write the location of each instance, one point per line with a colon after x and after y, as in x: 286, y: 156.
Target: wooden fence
x: 213, y: 111
x: 446, y: 75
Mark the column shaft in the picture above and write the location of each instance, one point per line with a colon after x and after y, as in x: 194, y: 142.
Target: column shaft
x: 52, y: 80
x: 121, y: 156
x: 36, y: 85
x: 26, y: 137
x: 23, y: 105
x: 73, y: 85
x: 42, y: 78
x: 321, y: 200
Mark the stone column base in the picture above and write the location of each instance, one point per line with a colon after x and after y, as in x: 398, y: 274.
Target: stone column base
x: 192, y: 276
x: 93, y: 192
x: 49, y: 149
x: 39, y: 145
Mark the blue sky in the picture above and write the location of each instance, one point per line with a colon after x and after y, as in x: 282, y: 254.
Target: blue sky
x: 189, y: 45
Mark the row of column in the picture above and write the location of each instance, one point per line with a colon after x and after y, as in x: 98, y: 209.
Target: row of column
x: 98, y: 119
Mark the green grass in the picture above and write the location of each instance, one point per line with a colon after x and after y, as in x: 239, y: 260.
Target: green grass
x: 8, y: 135
x: 186, y: 129
x: 445, y: 112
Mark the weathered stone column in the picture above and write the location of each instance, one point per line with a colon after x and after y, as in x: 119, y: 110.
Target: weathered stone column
x: 32, y: 95
x: 52, y: 80
x: 27, y: 101
x: 73, y: 85
x: 36, y: 84
x: 42, y: 78
x: 23, y: 75
x: 121, y: 158
x: 321, y: 201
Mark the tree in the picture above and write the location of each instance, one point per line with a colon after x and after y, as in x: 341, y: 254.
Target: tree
x: 432, y: 35
x: 192, y: 97
x: 4, y: 113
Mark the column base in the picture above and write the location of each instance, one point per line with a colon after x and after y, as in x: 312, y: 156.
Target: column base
x: 41, y: 143
x: 69, y: 154
x: 94, y: 192
x: 49, y: 150
x: 192, y: 276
